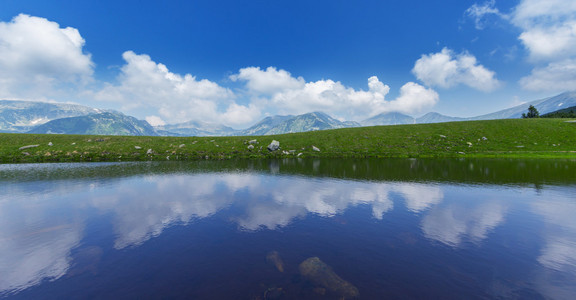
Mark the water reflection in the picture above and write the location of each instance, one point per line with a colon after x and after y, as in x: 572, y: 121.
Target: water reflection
x: 455, y: 222
x: 34, y: 244
x: 44, y: 223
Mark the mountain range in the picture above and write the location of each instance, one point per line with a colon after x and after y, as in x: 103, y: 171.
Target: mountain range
x: 41, y: 117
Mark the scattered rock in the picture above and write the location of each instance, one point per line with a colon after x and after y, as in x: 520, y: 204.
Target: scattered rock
x: 299, y: 154
x: 250, y: 147
x: 442, y: 136
x: 273, y: 293
x: 523, y: 146
x: 149, y: 151
x: 137, y: 147
x: 50, y: 144
x: 252, y: 142
x: 73, y: 143
x: 322, y: 275
x: 181, y: 146
x: 469, y: 144
x: 484, y: 138
x: 461, y: 153
x: 28, y: 147
x: 315, y: 149
x: 26, y: 153
x: 275, y: 145
x: 285, y: 152
x: 292, y: 151
x: 274, y: 259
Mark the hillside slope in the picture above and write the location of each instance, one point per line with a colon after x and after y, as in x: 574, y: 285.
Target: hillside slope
x: 21, y: 116
x: 97, y: 124
x: 548, y: 138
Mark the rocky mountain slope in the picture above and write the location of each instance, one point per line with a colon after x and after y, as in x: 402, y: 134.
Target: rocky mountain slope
x: 107, y: 123
x: 22, y: 116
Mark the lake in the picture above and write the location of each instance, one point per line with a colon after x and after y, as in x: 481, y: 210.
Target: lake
x: 290, y: 229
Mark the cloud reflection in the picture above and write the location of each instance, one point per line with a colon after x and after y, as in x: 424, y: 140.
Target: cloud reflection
x: 455, y: 222
x: 34, y: 244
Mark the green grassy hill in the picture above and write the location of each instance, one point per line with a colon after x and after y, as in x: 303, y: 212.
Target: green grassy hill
x: 496, y: 138
x: 569, y: 112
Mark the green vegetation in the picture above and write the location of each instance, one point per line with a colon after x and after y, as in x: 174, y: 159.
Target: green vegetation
x: 532, y: 113
x: 569, y: 112
x: 546, y: 138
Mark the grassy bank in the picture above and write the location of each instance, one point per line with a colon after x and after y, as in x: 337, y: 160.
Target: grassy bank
x: 543, y: 138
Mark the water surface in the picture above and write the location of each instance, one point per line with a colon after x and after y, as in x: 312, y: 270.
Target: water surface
x: 409, y: 229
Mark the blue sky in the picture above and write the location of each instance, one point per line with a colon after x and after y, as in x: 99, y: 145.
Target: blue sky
x: 235, y: 62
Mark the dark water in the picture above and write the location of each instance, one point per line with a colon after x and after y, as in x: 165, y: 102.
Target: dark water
x: 387, y: 229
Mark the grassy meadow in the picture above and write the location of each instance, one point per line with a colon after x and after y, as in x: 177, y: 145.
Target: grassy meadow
x: 523, y: 138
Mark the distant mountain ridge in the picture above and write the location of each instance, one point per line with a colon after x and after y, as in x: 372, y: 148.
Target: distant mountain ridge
x: 41, y: 117
x: 301, y: 123
x: 21, y: 116
x: 106, y: 123
x: 193, y: 128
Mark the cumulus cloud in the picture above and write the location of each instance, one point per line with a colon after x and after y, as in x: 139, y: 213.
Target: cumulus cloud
x: 146, y: 84
x: 38, y: 57
x: 549, y: 34
x: 556, y: 76
x: 447, y: 69
x: 269, y: 81
x: 280, y: 92
x: 549, y: 27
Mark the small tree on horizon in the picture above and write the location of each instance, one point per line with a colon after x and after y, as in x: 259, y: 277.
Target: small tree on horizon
x: 532, y: 113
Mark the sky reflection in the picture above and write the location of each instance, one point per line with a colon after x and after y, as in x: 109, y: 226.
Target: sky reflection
x: 43, y: 222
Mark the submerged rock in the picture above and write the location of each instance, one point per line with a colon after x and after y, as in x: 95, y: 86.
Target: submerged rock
x: 322, y: 275
x: 275, y: 145
x: 274, y: 259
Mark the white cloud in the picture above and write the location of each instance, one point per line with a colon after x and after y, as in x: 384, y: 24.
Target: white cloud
x: 155, y: 121
x: 556, y: 76
x: 447, y: 69
x: 548, y: 33
x: 279, y: 92
x: 414, y: 98
x: 480, y: 12
x: 38, y: 57
x: 269, y: 81
x: 146, y: 85
x: 549, y: 28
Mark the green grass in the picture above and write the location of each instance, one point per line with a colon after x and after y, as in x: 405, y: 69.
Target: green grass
x: 523, y: 138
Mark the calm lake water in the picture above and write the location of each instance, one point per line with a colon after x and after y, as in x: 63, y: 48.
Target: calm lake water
x: 289, y: 229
